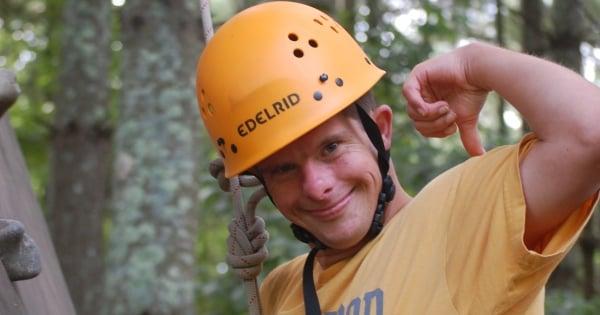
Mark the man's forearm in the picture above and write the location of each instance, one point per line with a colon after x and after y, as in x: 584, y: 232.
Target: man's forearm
x: 557, y: 103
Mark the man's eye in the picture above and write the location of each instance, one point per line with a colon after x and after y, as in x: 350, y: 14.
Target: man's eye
x: 330, y: 148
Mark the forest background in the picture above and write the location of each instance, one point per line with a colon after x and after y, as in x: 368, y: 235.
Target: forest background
x: 109, y: 126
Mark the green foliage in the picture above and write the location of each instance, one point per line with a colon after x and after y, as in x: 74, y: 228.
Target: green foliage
x: 29, y: 44
x: 570, y: 303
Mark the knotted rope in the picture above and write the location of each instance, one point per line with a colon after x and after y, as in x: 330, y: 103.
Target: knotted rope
x: 247, y: 234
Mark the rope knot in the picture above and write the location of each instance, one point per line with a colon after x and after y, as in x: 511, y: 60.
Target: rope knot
x: 246, y: 247
x: 247, y: 234
x: 217, y: 171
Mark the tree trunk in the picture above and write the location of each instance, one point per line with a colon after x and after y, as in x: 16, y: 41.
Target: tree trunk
x: 375, y: 14
x: 154, y: 228
x: 567, y: 21
x: 80, y: 151
x: 345, y: 13
x: 533, y: 38
x: 568, y: 33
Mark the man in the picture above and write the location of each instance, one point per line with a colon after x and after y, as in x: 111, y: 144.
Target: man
x: 284, y: 93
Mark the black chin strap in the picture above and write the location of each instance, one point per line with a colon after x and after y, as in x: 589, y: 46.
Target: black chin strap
x: 311, y: 300
x: 374, y: 134
x: 388, y: 190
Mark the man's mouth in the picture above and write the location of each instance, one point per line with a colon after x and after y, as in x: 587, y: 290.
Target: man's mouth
x: 332, y: 211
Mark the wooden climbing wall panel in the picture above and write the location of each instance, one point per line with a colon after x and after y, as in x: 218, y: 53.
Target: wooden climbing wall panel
x: 47, y: 293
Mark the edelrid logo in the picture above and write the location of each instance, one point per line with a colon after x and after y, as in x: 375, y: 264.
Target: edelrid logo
x: 267, y: 113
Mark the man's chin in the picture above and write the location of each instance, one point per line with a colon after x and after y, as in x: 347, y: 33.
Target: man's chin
x: 347, y: 243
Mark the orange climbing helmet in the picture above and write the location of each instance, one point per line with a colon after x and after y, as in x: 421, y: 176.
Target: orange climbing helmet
x: 272, y: 73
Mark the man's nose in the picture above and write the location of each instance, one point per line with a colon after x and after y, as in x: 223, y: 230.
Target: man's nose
x: 317, y: 180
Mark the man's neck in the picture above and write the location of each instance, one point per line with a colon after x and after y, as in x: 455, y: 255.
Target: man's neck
x: 330, y: 256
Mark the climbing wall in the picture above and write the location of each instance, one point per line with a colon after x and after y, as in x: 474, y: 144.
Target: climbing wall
x: 46, y: 293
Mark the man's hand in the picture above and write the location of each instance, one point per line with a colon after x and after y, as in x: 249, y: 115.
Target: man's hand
x: 441, y: 97
x: 562, y: 169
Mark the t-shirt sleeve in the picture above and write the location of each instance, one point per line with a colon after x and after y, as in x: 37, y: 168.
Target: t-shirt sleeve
x: 485, y: 248
x: 564, y: 236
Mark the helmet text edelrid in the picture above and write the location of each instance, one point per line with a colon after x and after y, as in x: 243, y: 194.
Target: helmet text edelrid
x: 268, y: 113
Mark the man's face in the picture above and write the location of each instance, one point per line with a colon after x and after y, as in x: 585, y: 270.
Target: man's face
x: 327, y: 181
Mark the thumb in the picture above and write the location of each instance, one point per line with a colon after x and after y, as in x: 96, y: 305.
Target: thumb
x: 469, y: 135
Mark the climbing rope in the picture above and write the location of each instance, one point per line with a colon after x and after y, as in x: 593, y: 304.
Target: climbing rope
x: 207, y: 26
x: 247, y: 234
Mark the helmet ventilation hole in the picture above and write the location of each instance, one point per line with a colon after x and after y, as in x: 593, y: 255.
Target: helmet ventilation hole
x: 339, y: 82
x: 323, y: 77
x: 298, y: 53
x: 293, y: 37
x: 334, y: 29
x: 211, y: 109
x: 324, y: 18
x: 318, y: 21
x: 313, y: 43
x: 234, y: 148
x: 367, y: 60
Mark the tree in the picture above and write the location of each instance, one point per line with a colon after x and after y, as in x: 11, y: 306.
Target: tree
x: 152, y: 245
x: 569, y: 27
x: 80, y: 151
x: 533, y: 38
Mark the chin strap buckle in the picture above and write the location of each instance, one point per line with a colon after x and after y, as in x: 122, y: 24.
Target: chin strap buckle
x: 305, y: 236
x: 388, y: 190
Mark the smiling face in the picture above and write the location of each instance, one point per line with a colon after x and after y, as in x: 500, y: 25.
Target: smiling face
x: 328, y: 180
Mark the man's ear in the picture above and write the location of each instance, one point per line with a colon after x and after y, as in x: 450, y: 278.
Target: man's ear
x: 382, y: 115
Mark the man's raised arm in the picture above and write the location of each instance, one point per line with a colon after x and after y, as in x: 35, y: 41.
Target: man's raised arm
x: 563, y: 109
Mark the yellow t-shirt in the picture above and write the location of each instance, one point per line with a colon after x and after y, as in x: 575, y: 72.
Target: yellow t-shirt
x: 456, y: 248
